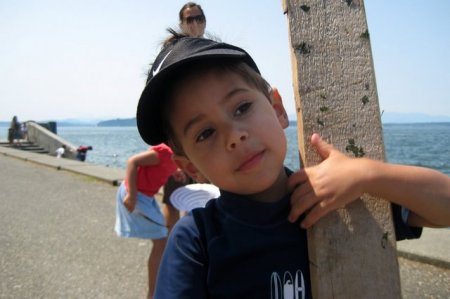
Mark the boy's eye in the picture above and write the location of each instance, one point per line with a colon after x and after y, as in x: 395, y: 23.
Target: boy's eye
x: 243, y: 108
x: 205, y: 134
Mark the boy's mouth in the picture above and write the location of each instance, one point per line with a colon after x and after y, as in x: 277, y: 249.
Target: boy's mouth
x: 251, y: 161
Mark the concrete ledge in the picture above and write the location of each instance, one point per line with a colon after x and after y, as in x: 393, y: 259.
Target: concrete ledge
x: 433, y: 247
x: 48, y: 140
x: 113, y: 176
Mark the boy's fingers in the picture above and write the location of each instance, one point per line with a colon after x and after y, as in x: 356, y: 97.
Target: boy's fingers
x: 301, y: 204
x: 315, y: 214
x: 296, y: 179
x: 300, y: 191
x: 322, y: 148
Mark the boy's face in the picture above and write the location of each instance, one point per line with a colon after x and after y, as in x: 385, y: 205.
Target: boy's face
x: 230, y: 133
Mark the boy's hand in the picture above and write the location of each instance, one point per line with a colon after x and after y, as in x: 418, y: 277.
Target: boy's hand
x: 129, y: 203
x: 323, y: 188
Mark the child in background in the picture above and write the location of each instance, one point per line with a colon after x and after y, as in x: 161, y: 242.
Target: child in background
x: 208, y: 101
x: 82, y: 152
x: 137, y: 212
x: 175, y: 181
x: 60, y: 151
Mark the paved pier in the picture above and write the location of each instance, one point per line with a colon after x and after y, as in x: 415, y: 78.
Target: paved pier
x: 57, y: 238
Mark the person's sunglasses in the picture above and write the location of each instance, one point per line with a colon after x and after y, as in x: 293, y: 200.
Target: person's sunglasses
x: 199, y: 19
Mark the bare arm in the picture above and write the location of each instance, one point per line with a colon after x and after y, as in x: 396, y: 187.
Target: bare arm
x: 339, y: 180
x: 142, y: 159
x: 425, y: 192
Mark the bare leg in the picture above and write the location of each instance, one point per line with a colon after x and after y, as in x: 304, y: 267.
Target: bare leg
x: 153, y: 264
x: 171, y: 214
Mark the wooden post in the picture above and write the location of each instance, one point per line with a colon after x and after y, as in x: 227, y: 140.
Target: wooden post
x: 352, y: 251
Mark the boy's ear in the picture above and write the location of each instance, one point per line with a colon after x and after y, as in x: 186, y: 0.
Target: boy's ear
x: 277, y: 104
x: 186, y: 165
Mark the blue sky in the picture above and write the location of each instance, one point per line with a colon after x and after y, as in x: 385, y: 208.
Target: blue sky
x: 85, y: 59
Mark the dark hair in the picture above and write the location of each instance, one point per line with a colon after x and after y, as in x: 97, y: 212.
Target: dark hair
x: 189, y: 5
x: 173, y: 37
x: 222, y: 66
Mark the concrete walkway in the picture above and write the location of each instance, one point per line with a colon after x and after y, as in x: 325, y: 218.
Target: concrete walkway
x: 57, y: 236
x: 110, y: 175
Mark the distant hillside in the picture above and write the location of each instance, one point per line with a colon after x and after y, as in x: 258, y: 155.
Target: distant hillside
x: 74, y: 124
x: 118, y: 122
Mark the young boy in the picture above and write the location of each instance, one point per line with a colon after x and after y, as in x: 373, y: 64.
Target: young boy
x: 208, y: 101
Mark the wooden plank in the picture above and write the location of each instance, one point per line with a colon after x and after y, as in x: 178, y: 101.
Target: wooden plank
x: 353, y: 250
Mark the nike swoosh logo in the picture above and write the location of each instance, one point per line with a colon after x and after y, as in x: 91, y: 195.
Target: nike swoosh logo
x: 161, y: 63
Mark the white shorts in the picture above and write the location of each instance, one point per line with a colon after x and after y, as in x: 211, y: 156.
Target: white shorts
x: 145, y: 222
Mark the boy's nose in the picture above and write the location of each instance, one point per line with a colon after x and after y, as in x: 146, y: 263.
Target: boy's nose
x: 236, y: 137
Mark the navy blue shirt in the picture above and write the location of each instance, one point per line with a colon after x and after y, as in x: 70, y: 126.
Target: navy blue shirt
x: 239, y: 248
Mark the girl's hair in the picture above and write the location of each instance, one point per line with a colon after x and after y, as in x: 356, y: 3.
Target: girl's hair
x: 222, y: 66
x: 189, y: 5
x: 173, y: 37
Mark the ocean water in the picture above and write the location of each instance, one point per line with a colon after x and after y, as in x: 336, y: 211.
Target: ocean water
x: 412, y: 144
